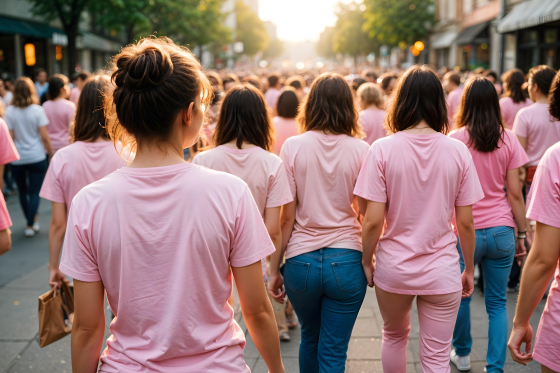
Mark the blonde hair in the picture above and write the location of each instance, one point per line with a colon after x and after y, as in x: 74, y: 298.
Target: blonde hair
x: 370, y: 94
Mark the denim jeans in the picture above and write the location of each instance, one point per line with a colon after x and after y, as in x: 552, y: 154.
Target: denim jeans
x: 495, y: 250
x: 29, y: 179
x: 326, y: 288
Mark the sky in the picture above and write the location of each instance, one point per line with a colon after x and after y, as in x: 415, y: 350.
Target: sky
x: 299, y: 20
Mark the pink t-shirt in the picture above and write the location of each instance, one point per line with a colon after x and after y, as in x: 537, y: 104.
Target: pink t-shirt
x: 322, y: 171
x: 494, y: 209
x: 77, y: 165
x: 285, y: 128
x: 271, y: 97
x: 540, y: 129
x: 372, y: 121
x: 543, y: 205
x: 8, y: 152
x: 509, y: 109
x: 421, y: 178
x: 162, y: 240
x: 75, y: 95
x: 453, y: 102
x: 61, y: 114
x: 5, y: 221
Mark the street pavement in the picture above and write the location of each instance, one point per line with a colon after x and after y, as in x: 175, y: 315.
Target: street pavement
x: 24, y: 275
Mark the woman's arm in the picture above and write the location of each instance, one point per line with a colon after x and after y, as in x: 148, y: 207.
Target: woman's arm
x: 517, y: 203
x: 89, y: 325
x: 46, y: 140
x: 272, y: 224
x: 57, y: 230
x: 5, y: 241
x: 537, y: 272
x: 372, y: 227
x: 467, y: 237
x: 287, y: 221
x: 258, y: 314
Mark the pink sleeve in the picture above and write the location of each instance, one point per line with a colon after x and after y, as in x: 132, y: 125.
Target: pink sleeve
x: 279, y: 192
x: 371, y: 183
x: 5, y: 221
x: 78, y: 259
x: 518, y: 154
x: 52, y: 189
x: 520, y: 125
x: 251, y: 241
x: 543, y: 202
x: 71, y: 112
x: 504, y: 108
x: 470, y: 190
x: 8, y: 152
x: 290, y: 174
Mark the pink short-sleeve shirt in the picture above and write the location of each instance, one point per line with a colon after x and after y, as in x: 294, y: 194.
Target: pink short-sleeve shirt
x: 61, y: 114
x: 535, y: 124
x: 75, y: 95
x: 322, y: 171
x: 494, y: 209
x: 8, y: 151
x: 285, y: 128
x: 543, y: 205
x: 510, y: 109
x: 372, y: 121
x: 271, y: 97
x: 453, y: 102
x: 421, y: 178
x: 162, y: 240
x: 77, y: 165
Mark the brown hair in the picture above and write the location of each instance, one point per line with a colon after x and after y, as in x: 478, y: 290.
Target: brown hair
x: 154, y: 81
x: 542, y: 76
x: 453, y: 77
x: 418, y: 96
x: 24, y: 93
x: 480, y: 113
x: 296, y: 82
x: 329, y: 107
x: 253, y: 80
x: 514, y: 80
x: 215, y: 79
x: 56, y: 84
x: 386, y: 80
x: 287, y: 106
x: 244, y: 118
x: 370, y: 94
x: 89, y: 124
x: 554, y: 97
x: 273, y: 80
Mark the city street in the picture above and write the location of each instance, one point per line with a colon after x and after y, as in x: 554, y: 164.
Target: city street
x: 23, y: 277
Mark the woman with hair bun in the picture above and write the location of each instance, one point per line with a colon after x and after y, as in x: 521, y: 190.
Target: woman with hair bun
x: 514, y: 98
x: 60, y: 111
x: 162, y: 236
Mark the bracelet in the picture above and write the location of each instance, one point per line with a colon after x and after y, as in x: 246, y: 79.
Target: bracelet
x: 522, y: 237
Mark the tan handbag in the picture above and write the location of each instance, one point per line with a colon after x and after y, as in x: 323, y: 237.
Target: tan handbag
x: 56, y: 313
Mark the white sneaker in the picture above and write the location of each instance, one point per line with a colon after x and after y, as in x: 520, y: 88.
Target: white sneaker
x: 29, y: 232
x: 36, y: 227
x: 463, y: 363
x: 285, y: 337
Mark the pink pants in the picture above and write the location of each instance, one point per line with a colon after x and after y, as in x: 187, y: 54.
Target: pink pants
x: 436, y: 314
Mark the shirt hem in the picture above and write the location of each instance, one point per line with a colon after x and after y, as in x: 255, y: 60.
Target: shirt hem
x: 25, y: 163
x: 417, y: 292
x: 253, y: 259
x: 5, y: 226
x: 77, y: 275
x: 555, y: 366
x: 543, y: 219
x: 380, y: 199
x: 279, y: 203
x: 340, y: 245
x: 470, y: 201
x: 50, y: 198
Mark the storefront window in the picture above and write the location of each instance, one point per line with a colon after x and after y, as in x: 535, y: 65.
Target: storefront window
x: 549, y: 57
x: 550, y: 35
x: 529, y: 36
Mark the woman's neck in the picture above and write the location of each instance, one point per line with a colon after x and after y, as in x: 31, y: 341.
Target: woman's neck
x: 373, y: 107
x: 422, y: 128
x: 244, y: 145
x: 157, y: 155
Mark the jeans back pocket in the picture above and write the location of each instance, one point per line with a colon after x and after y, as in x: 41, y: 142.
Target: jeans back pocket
x: 295, y: 275
x: 350, y: 277
x: 505, y: 241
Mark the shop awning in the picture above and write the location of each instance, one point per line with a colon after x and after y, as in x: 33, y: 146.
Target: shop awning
x: 96, y: 42
x: 26, y: 28
x: 442, y: 40
x: 530, y: 13
x: 471, y: 35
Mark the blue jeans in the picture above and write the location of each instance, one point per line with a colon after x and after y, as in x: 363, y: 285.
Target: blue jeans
x: 29, y: 179
x: 495, y: 250
x: 326, y: 288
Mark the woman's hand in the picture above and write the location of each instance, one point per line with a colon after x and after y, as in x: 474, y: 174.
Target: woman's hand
x: 467, y: 280
x: 276, y: 287
x: 369, y: 268
x: 520, y: 335
x: 520, y: 250
x: 56, y: 278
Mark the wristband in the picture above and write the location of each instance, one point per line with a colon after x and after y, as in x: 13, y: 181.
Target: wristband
x: 522, y: 237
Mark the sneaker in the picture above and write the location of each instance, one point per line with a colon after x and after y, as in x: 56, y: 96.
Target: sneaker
x: 285, y: 337
x: 512, y: 290
x: 463, y: 363
x: 29, y: 232
x: 292, y: 322
x: 36, y: 227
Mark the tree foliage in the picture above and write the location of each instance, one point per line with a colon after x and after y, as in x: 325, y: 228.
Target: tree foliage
x: 251, y: 31
x: 274, y: 49
x: 349, y: 37
x: 325, y: 44
x: 393, y: 21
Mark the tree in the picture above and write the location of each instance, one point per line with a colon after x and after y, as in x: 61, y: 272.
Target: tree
x: 274, y: 49
x: 69, y: 12
x: 393, y: 21
x: 326, y: 43
x: 349, y: 36
x: 251, y: 31
x: 128, y: 16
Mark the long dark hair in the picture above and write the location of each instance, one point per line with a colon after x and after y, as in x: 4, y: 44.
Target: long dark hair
x: 480, y: 113
x: 56, y: 84
x: 542, y: 77
x: 418, y: 96
x: 287, y: 106
x: 329, y: 107
x: 89, y: 124
x: 244, y: 118
x: 554, y: 97
x: 513, y: 88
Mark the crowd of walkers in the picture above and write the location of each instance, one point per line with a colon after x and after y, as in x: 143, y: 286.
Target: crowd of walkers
x: 169, y: 184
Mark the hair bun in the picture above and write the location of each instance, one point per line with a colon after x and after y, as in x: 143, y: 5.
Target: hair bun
x: 149, y: 68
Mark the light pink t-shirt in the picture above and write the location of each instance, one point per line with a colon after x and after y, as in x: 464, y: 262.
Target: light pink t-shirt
x: 5, y: 221
x: 271, y: 97
x: 162, y: 240
x: 509, y: 109
x: 453, y: 102
x: 494, y: 209
x: 421, y: 178
x: 322, y: 171
x: 543, y: 205
x: 372, y: 121
x: 75, y: 95
x: 8, y: 151
x: 61, y: 114
x: 285, y: 128
x: 77, y: 165
x: 540, y: 129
